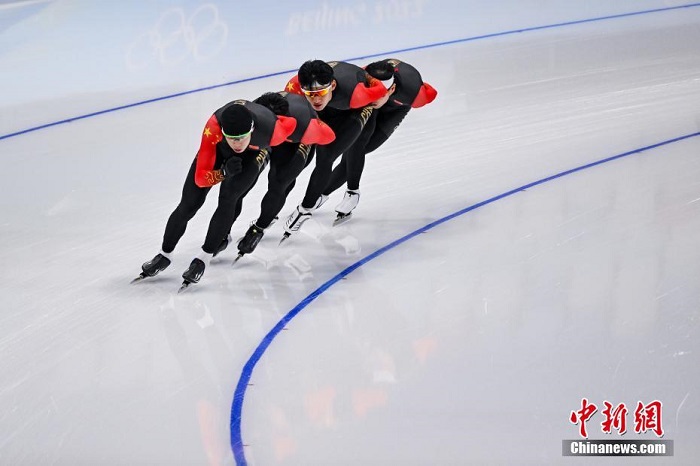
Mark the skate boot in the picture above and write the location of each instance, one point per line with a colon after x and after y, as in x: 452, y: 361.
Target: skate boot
x: 251, y: 239
x: 224, y: 244
x: 193, y: 273
x: 346, y: 206
x: 153, y: 267
x: 295, y: 221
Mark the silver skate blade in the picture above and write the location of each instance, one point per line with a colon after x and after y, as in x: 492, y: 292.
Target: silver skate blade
x: 184, y: 286
x: 341, y: 218
x: 137, y: 279
x: 284, y: 237
x: 238, y: 257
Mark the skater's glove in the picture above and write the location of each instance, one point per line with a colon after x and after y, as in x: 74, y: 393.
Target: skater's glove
x: 232, y: 167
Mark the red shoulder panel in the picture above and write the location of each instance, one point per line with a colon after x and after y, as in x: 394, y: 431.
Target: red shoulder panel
x: 318, y: 133
x: 293, y: 86
x: 426, y: 94
x: 363, y: 95
x: 284, y: 127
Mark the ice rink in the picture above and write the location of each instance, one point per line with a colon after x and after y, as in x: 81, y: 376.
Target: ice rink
x: 528, y: 240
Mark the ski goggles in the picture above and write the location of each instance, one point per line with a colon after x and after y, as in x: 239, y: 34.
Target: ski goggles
x: 317, y: 92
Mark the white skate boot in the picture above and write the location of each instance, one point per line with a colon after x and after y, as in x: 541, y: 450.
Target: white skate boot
x: 295, y: 221
x: 346, y: 206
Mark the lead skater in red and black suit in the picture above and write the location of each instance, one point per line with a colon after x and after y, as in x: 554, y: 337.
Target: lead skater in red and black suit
x: 234, y: 149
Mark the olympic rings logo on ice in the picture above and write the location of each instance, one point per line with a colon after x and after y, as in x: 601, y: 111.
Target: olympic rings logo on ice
x: 177, y: 36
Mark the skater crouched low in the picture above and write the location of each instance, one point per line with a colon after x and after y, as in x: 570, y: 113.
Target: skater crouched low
x: 341, y: 93
x: 287, y: 160
x: 406, y: 90
x: 234, y: 150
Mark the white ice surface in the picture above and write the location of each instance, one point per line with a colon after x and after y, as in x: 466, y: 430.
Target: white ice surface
x: 468, y: 344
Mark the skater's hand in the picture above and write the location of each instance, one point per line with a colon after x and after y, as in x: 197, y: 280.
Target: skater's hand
x: 232, y: 167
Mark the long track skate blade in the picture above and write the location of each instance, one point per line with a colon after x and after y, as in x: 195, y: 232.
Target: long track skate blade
x: 341, y: 218
x: 184, y: 286
x: 137, y: 279
x: 284, y: 237
x: 238, y: 257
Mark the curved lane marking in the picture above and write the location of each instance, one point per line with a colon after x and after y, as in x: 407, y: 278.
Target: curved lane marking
x: 237, y: 444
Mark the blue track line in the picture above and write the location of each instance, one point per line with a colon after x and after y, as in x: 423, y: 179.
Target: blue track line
x: 239, y: 395
x: 363, y: 57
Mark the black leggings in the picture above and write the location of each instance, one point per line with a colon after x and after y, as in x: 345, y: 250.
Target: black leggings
x: 348, y: 126
x: 352, y: 164
x: 286, y: 163
x: 231, y: 193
